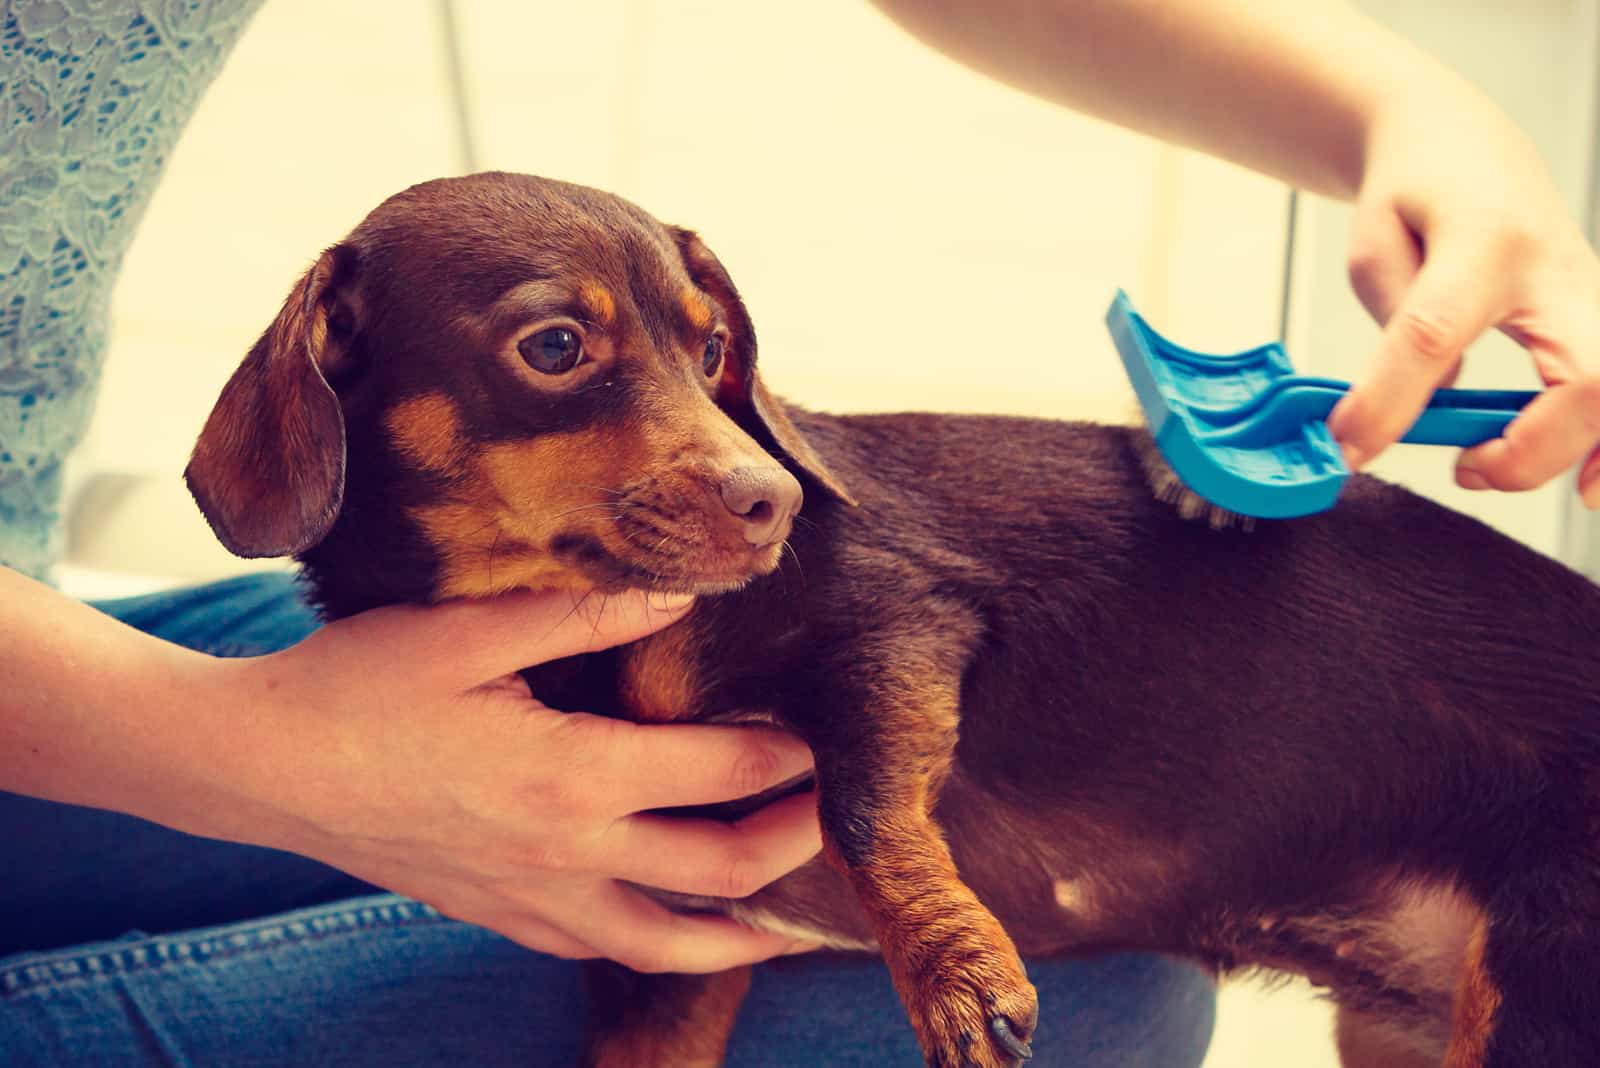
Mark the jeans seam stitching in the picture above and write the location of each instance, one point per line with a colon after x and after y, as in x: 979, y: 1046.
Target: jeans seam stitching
x: 14, y: 981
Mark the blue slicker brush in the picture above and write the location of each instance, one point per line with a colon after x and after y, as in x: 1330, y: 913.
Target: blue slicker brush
x: 1249, y: 436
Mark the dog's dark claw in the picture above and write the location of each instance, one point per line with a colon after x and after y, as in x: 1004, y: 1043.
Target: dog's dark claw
x: 1005, y: 1034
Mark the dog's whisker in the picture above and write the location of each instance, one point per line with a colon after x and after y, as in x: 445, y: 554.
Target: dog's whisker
x: 599, y: 488
x: 470, y: 536
x: 493, y: 546
x: 587, y: 507
x: 796, y: 558
x: 594, y: 628
x: 577, y: 604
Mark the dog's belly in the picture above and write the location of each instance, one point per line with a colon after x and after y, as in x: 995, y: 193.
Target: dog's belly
x: 1390, y: 945
x: 812, y: 902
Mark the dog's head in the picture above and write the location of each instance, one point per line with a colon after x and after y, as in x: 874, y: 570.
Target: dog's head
x: 524, y: 383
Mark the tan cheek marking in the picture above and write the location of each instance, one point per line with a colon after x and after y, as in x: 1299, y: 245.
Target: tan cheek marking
x: 697, y: 309
x: 476, y: 560
x: 426, y: 430
x: 598, y: 301
x: 493, y: 532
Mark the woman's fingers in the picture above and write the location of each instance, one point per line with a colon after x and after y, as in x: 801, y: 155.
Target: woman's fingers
x: 712, y: 859
x: 645, y: 766
x: 1558, y: 428
x: 518, y: 630
x: 465, y: 643
x: 1453, y: 300
x: 627, y: 927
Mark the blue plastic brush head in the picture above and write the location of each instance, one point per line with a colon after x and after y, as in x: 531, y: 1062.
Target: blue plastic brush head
x: 1249, y: 435
x: 1283, y: 465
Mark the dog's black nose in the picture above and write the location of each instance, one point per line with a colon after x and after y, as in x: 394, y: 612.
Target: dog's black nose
x: 764, y: 499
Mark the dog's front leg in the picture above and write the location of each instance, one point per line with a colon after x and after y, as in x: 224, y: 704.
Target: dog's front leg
x: 879, y: 769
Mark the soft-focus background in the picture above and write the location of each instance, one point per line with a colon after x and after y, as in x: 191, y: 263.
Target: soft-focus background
x: 907, y: 234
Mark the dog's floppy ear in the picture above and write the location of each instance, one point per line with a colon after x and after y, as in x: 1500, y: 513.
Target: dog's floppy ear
x: 741, y: 392
x: 268, y: 470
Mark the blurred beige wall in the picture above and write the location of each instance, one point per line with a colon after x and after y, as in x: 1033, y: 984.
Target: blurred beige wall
x: 907, y: 233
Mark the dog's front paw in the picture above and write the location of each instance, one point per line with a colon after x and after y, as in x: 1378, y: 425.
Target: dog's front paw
x: 976, y: 1013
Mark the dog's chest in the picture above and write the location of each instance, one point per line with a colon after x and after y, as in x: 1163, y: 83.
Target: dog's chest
x: 660, y: 678
x: 673, y: 675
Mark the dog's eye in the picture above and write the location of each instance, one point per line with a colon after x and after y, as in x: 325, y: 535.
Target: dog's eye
x: 554, y: 351
x: 713, y: 357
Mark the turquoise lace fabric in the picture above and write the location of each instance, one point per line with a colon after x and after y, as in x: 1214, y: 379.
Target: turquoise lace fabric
x: 93, y: 95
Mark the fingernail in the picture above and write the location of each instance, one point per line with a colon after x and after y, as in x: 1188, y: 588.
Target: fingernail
x: 1467, y: 478
x: 670, y: 602
x: 804, y: 945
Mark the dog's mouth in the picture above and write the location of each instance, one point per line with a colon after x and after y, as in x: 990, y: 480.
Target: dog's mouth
x: 701, y: 571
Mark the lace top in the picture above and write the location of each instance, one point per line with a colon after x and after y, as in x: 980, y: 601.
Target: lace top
x: 93, y: 95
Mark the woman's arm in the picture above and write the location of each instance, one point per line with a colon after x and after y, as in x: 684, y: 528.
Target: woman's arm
x: 399, y: 745
x: 95, y: 713
x: 1459, y: 227
x: 1286, y: 89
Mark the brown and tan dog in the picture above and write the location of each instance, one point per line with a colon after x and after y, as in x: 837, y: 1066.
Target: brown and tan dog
x: 1048, y: 715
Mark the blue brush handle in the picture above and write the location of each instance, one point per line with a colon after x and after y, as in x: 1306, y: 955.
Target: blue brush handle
x: 1467, y: 416
x: 1453, y: 416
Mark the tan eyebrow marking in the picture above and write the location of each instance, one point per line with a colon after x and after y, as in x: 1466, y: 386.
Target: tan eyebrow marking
x: 598, y: 301
x: 697, y: 309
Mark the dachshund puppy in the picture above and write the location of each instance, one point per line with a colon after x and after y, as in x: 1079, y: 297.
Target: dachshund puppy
x: 1048, y: 714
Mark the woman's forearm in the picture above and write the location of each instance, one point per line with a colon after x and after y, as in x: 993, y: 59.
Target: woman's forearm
x: 95, y: 713
x: 1288, y: 89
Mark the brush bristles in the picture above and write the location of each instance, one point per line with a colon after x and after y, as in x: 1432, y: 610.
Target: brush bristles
x: 1168, y: 487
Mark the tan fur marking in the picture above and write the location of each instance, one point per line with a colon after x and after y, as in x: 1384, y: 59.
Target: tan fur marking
x: 475, y: 558
x: 694, y: 1036
x: 1477, y: 1005
x: 951, y: 961
x: 493, y: 533
x: 697, y: 309
x: 598, y: 302
x: 947, y: 954
x: 660, y: 675
x: 426, y: 430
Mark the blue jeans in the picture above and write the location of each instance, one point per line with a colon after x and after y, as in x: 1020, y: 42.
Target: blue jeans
x: 125, y: 943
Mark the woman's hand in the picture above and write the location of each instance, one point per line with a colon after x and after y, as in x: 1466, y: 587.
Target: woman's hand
x: 1458, y: 227
x: 402, y: 748
x: 1458, y: 230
